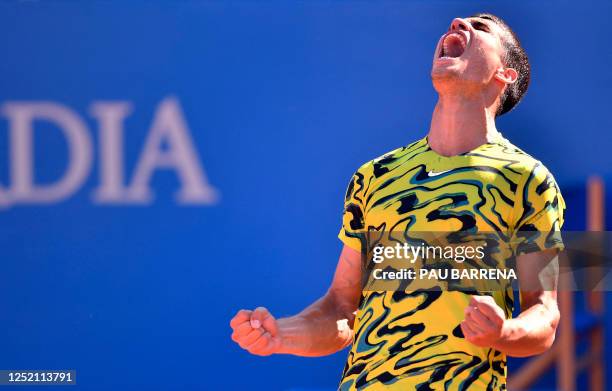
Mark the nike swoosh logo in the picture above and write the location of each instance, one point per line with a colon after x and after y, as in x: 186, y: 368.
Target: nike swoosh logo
x: 431, y: 173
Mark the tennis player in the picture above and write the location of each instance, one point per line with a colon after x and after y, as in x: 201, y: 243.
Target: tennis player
x: 462, y: 176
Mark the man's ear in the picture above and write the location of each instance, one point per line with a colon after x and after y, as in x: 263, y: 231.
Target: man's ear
x: 506, y: 75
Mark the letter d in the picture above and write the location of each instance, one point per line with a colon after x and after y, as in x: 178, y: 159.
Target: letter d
x: 21, y: 115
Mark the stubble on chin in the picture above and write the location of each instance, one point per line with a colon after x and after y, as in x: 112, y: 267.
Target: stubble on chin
x: 443, y: 80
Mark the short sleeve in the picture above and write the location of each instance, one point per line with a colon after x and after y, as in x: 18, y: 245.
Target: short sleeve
x: 352, y: 232
x: 539, y: 209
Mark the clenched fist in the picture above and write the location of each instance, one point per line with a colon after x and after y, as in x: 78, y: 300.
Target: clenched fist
x: 484, y: 321
x: 256, y: 331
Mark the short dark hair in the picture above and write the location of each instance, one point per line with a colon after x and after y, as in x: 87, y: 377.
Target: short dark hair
x: 516, y: 58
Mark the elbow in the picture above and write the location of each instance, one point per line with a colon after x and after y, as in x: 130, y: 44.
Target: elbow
x: 548, y: 343
x: 339, y: 308
x: 543, y: 341
x: 343, y: 315
x: 548, y: 339
x: 552, y: 330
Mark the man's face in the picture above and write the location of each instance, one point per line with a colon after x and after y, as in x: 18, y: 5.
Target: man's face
x: 470, y: 52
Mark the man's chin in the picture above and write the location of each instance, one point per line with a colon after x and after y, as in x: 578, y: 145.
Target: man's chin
x: 444, y: 73
x: 446, y: 80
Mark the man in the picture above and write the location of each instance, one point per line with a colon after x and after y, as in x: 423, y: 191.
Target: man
x: 463, y: 176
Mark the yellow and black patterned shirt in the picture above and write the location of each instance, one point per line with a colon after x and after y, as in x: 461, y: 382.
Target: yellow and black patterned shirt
x: 411, y: 340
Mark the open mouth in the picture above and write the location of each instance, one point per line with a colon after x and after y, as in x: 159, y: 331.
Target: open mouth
x: 453, y: 45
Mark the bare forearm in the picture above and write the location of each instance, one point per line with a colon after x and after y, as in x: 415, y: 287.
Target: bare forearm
x: 532, y: 332
x: 322, y: 328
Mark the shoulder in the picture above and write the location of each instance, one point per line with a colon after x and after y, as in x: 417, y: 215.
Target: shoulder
x: 527, y: 165
x: 374, y: 170
x: 537, y: 181
x: 387, y: 161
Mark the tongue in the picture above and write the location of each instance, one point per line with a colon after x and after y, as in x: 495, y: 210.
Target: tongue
x: 453, y: 47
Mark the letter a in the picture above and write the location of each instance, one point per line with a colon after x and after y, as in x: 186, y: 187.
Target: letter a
x: 170, y: 127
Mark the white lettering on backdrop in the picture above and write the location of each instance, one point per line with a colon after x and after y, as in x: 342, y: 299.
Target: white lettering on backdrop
x: 168, y: 145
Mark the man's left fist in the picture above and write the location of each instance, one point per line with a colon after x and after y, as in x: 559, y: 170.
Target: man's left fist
x: 484, y: 321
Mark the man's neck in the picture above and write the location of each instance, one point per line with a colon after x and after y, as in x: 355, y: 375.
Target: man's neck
x: 460, y: 124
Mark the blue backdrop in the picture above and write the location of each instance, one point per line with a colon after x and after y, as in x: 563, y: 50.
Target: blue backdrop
x: 281, y: 102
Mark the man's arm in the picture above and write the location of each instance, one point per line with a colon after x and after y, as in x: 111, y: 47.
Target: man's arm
x: 322, y: 328
x: 533, y: 331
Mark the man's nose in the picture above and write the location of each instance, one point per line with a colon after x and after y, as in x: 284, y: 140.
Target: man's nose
x: 459, y: 24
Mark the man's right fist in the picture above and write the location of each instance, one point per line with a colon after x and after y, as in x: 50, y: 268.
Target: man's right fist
x: 256, y: 331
